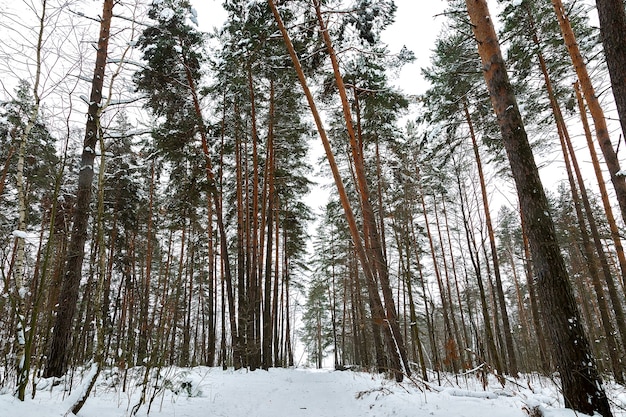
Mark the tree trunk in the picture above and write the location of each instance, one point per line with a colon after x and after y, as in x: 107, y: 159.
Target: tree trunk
x: 213, y: 189
x: 59, y: 349
x: 612, y: 17
x: 22, y: 354
x: 612, y: 340
x: 255, y: 260
x: 241, y: 253
x: 142, y: 352
x: 394, y: 344
x: 506, y: 324
x: 597, y: 114
x: 581, y: 383
x: 608, y: 209
x: 429, y: 324
x: 378, y: 263
x: 475, y: 259
x: 275, y: 306
x: 452, y: 344
x: 404, y: 255
x: 211, y: 288
x: 24, y: 332
x: 590, y: 258
x: 269, y: 178
x: 465, y: 364
x: 534, y: 304
x: 7, y: 165
x: 568, y: 151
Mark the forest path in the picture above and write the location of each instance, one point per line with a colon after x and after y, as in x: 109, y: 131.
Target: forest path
x: 212, y: 392
x: 320, y: 393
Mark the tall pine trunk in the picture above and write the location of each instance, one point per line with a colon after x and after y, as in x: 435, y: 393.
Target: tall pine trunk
x: 475, y: 260
x: 597, y: 114
x: 506, y: 324
x: 608, y: 209
x: 612, y: 17
x: 68, y: 297
x: 394, y: 343
x: 269, y: 215
x: 568, y: 150
x: 374, y: 249
x: 581, y: 384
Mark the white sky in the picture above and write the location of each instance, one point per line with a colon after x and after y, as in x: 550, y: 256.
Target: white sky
x: 416, y: 27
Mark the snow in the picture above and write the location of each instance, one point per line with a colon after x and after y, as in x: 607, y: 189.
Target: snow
x: 20, y: 234
x: 23, y: 292
x: 81, y: 391
x: 194, y: 16
x: 166, y: 14
x: 202, y: 391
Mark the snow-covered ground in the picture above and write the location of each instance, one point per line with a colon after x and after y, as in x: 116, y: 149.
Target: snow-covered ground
x: 202, y: 392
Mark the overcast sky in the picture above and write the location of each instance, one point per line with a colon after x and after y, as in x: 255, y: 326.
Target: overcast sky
x: 416, y: 27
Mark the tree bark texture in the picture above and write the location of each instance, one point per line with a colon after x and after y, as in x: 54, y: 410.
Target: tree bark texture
x: 581, y: 384
x: 59, y: 348
x: 612, y: 17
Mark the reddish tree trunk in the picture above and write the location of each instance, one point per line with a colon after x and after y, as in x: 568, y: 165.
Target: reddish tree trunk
x: 581, y: 383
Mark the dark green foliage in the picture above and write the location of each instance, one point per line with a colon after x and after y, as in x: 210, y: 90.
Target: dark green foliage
x: 317, y: 332
x: 371, y: 17
x: 168, y: 47
x: 173, y: 51
x: 124, y: 197
x: 456, y: 83
x: 529, y: 29
x: 41, y: 161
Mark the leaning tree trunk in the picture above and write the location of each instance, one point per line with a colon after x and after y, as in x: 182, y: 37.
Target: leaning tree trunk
x: 445, y: 307
x: 569, y: 149
x: 604, y: 195
x: 581, y: 383
x: 375, y: 247
x: 597, y: 114
x: 377, y: 306
x: 569, y: 154
x: 612, y: 17
x: 59, y: 349
x: 475, y: 260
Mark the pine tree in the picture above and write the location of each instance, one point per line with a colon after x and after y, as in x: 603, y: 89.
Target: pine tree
x: 318, y: 323
x: 58, y: 355
x: 612, y: 16
x: 597, y: 113
x: 173, y: 48
x: 582, y: 385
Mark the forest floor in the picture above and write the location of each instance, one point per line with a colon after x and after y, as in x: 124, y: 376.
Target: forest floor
x: 203, y: 392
